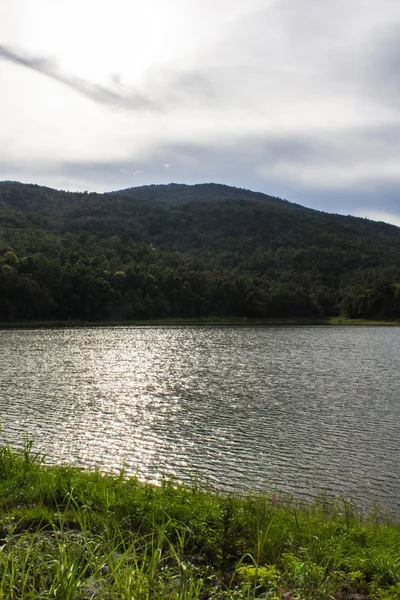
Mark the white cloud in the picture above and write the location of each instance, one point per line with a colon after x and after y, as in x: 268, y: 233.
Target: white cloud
x: 217, y: 75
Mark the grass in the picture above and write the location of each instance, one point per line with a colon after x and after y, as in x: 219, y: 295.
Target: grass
x: 210, y: 321
x: 74, y: 535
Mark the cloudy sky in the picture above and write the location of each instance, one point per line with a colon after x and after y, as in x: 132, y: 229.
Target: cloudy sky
x: 295, y: 98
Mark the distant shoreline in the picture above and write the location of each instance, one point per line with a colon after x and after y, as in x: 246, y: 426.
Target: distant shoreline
x: 204, y: 321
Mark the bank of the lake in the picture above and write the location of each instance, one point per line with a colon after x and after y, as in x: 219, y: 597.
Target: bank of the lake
x: 211, y: 321
x: 70, y: 534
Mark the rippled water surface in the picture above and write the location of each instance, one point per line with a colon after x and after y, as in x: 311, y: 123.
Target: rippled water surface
x: 304, y: 409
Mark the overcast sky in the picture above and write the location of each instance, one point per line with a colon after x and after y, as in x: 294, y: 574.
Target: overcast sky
x: 296, y: 98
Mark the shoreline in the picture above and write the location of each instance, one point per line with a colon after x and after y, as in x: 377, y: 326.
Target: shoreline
x: 116, y: 537
x: 203, y: 321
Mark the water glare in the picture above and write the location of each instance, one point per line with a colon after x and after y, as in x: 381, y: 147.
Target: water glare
x: 305, y: 409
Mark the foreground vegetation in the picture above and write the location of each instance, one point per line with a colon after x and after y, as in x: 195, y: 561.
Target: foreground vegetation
x: 74, y: 535
x: 176, y: 251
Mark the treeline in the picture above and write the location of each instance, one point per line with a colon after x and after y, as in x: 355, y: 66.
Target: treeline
x: 76, y: 280
x: 155, y: 252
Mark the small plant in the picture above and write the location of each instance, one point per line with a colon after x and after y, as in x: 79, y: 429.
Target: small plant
x: 267, y: 577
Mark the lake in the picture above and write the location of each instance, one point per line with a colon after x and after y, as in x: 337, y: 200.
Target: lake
x: 302, y: 410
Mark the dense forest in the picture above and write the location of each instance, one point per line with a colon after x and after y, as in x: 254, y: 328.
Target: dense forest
x: 188, y: 251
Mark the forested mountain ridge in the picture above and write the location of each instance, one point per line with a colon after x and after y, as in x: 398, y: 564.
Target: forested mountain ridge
x: 174, y: 192
x: 176, y: 250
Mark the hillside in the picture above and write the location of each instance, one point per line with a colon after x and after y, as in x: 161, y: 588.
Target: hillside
x: 188, y: 251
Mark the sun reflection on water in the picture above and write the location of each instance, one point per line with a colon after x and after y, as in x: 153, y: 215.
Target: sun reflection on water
x: 305, y: 409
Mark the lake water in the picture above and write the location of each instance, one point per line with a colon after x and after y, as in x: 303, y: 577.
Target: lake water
x: 303, y: 410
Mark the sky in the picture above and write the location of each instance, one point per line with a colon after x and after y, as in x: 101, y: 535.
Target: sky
x: 295, y: 98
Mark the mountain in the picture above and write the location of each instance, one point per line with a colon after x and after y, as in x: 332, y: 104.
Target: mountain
x: 178, y: 250
x: 175, y: 192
